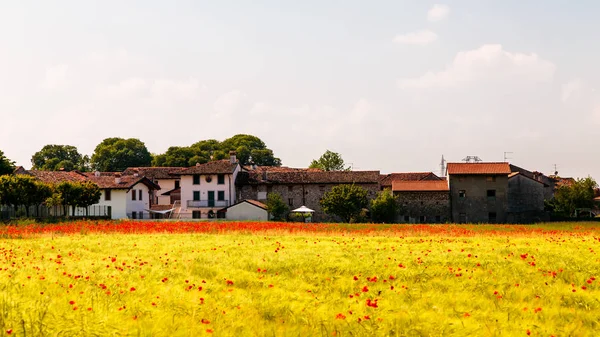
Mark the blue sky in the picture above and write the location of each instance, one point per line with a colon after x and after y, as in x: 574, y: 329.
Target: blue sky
x: 391, y: 85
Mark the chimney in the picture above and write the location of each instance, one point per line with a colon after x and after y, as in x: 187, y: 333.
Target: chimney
x: 117, y: 178
x: 61, y: 169
x: 96, y: 173
x: 136, y: 172
x: 197, y: 164
x: 232, y: 158
x: 264, y: 175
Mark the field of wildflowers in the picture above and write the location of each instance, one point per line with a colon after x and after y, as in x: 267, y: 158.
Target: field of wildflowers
x: 276, y: 279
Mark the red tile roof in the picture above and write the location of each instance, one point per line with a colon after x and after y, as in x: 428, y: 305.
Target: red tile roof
x: 307, y: 177
x: 256, y: 203
x: 155, y: 172
x: 213, y: 167
x: 420, y: 186
x: 127, y: 182
x: 386, y: 179
x: 55, y: 177
x: 478, y: 168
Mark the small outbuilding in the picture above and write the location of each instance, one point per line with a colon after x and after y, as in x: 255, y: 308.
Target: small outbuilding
x: 246, y: 209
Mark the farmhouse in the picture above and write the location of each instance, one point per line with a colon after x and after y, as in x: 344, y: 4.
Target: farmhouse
x: 423, y: 201
x: 301, y: 187
x: 206, y: 188
x: 478, y: 191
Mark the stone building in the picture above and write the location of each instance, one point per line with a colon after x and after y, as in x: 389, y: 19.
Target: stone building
x: 525, y: 198
x: 301, y: 187
x: 478, y: 192
x: 385, y: 181
x: 424, y: 201
x: 549, y: 182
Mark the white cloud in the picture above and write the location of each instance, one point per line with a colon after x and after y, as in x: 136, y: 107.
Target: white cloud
x: 490, y: 63
x: 420, y: 38
x: 187, y: 89
x: 438, y: 13
x: 571, y: 90
x: 56, y: 76
x: 228, y: 103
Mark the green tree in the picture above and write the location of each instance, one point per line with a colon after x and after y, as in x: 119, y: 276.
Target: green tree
x: 247, y: 147
x: 117, y: 154
x: 176, y: 156
x: 345, y: 201
x: 276, y: 207
x: 56, y: 157
x: 384, y: 208
x: 22, y: 190
x: 578, y: 195
x: 6, y: 166
x: 330, y: 161
x: 89, y: 194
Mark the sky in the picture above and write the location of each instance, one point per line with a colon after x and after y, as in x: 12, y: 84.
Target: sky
x: 390, y: 85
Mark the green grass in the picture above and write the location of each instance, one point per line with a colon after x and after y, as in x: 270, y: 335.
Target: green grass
x: 302, y: 284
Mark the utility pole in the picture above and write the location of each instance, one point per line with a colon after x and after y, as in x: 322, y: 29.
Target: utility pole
x: 506, y: 157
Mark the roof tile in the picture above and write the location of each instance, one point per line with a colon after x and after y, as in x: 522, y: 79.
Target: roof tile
x: 420, y: 186
x: 478, y: 168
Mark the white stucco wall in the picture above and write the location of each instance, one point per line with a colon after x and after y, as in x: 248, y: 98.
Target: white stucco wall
x: 188, y: 188
x: 246, y: 211
x: 137, y: 205
x: 166, y: 185
x: 117, y: 203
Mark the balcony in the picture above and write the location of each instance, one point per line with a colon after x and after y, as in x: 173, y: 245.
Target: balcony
x: 207, y: 203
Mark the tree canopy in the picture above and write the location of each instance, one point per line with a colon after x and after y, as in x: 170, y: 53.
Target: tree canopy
x: 117, y: 154
x: 276, y: 207
x: 330, y: 161
x: 22, y: 190
x: 56, y: 157
x: 345, y: 201
x: 6, y: 165
x: 578, y: 195
x: 384, y: 208
x: 248, y: 149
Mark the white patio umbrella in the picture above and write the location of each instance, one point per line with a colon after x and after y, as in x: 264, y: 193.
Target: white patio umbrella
x: 303, y: 209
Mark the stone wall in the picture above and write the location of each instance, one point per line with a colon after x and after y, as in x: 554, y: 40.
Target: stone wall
x: 423, y: 207
x: 296, y: 195
x: 476, y: 206
x: 525, y: 200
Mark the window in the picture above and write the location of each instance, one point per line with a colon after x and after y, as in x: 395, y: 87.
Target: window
x: 492, y: 217
x: 196, y: 215
x: 107, y: 195
x: 462, y: 193
x: 406, y: 218
x: 291, y: 201
x: 491, y: 193
x: 462, y: 217
x: 438, y: 218
x: 422, y: 219
x: 220, y: 195
x: 290, y: 189
x: 141, y: 215
x: 196, y: 178
x: 221, y: 179
x: 254, y: 189
x: 490, y: 178
x: 269, y: 189
x: 133, y: 194
x: 140, y: 195
x: 134, y: 215
x: 196, y: 196
x: 176, y: 183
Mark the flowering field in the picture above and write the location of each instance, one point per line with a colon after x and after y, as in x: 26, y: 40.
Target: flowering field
x: 248, y: 278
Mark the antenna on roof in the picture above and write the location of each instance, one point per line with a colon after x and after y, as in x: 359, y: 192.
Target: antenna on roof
x: 506, y: 157
x: 555, y: 170
x: 471, y: 159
